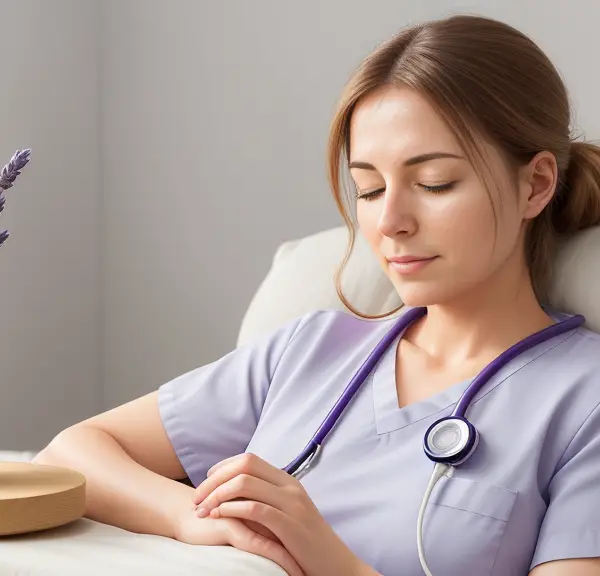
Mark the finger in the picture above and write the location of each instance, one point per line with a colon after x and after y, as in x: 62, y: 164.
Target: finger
x: 288, y: 530
x: 245, y: 464
x: 243, y: 538
x: 213, y: 479
x: 247, y: 488
x: 223, y: 463
x: 260, y: 529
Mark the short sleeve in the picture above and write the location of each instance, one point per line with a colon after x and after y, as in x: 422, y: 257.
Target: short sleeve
x: 212, y: 412
x: 571, y: 526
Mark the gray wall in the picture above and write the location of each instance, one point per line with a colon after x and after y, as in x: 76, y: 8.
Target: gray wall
x: 50, y: 274
x: 211, y: 120
x: 215, y: 123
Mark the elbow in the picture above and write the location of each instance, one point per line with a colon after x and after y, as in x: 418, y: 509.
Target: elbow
x: 59, y: 448
x: 48, y: 454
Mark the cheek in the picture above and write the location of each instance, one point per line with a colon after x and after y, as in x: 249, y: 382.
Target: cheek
x: 462, y: 229
x: 475, y: 237
x: 462, y: 219
x: 478, y: 228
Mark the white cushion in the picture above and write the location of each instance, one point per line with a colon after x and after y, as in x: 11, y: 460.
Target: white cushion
x: 301, y: 280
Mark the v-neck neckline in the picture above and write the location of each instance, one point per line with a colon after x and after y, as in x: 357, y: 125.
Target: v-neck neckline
x: 389, y: 416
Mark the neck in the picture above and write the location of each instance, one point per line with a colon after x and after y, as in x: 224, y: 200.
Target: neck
x: 483, y: 322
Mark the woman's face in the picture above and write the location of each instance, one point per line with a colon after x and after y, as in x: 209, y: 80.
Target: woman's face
x: 422, y: 207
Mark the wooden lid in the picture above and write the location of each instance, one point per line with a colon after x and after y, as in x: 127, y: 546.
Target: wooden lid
x: 36, y: 497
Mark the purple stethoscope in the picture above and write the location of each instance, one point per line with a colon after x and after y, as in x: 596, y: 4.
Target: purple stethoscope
x: 456, y: 427
x: 449, y: 441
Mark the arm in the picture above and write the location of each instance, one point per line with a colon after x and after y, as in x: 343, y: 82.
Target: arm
x: 130, y: 467
x: 366, y: 570
x: 581, y: 567
x: 132, y: 454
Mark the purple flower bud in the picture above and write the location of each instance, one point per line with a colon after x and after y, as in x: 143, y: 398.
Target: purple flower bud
x: 13, y: 168
x: 8, y: 176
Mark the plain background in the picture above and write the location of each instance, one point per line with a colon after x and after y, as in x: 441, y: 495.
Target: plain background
x: 176, y: 144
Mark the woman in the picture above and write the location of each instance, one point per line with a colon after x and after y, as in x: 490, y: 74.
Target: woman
x: 456, y: 135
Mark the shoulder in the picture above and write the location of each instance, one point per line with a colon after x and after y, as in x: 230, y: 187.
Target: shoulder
x: 566, y: 379
x: 328, y: 340
x: 578, y: 352
x: 325, y: 329
x: 578, y: 355
x: 579, y: 361
x: 340, y: 326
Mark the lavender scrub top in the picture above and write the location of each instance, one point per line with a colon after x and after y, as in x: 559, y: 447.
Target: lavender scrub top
x: 530, y: 493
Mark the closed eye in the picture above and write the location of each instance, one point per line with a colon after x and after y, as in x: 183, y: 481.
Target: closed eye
x: 369, y: 195
x: 439, y: 188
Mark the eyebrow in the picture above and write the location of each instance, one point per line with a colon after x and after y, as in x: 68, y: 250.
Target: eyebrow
x: 410, y: 162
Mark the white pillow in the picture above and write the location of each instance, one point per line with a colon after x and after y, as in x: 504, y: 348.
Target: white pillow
x: 301, y: 281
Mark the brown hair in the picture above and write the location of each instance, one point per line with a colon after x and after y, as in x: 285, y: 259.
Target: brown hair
x: 485, y: 79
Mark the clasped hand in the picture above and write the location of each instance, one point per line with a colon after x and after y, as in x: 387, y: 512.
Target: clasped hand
x: 275, y: 506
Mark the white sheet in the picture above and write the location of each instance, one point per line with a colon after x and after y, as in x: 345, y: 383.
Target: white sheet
x: 94, y: 549
x: 8, y: 456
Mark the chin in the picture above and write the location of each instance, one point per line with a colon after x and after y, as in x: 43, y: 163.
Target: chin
x: 417, y: 294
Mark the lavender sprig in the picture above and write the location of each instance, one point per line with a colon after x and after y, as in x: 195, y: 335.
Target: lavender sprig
x: 8, y: 176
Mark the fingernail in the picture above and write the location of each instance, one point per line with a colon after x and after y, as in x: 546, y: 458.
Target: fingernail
x: 201, y: 512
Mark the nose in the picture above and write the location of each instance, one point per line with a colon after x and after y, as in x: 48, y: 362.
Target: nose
x: 397, y: 216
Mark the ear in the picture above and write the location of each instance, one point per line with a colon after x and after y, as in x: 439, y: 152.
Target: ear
x: 537, y: 184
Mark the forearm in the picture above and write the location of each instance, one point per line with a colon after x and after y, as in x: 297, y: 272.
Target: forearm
x: 119, y: 491
x: 366, y: 570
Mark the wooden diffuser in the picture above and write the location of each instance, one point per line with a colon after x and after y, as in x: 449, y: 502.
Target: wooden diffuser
x: 37, y: 497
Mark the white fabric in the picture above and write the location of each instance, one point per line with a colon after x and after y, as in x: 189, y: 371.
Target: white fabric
x: 301, y: 281
x: 94, y: 549
x: 10, y: 456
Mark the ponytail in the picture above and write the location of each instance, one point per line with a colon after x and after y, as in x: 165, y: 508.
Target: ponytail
x: 578, y: 202
x: 576, y: 206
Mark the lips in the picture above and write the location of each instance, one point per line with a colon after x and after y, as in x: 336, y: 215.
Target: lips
x: 408, y: 259
x: 405, y: 265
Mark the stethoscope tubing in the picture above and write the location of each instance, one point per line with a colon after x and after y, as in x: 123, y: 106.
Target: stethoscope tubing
x: 313, y: 447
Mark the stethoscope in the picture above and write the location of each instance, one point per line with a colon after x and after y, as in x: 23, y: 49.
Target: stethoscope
x: 449, y: 441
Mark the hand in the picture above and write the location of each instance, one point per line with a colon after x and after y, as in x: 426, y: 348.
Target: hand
x: 248, y: 488
x: 236, y: 533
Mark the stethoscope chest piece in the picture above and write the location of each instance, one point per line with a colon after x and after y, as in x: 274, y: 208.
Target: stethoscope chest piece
x: 450, y: 440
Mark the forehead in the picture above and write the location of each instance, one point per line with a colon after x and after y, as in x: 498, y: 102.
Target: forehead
x: 394, y: 123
